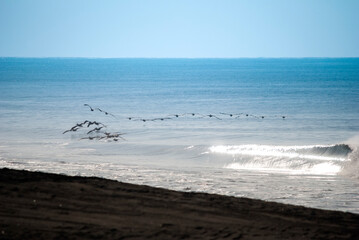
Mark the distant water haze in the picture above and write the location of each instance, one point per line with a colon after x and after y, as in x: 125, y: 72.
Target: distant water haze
x: 277, y: 129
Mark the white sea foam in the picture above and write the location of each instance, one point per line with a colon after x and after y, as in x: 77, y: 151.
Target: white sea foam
x: 314, y: 159
x: 317, y: 169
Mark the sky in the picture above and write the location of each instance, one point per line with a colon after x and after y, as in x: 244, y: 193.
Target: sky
x: 179, y: 28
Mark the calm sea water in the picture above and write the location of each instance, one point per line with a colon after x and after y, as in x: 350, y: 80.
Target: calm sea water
x: 298, y: 144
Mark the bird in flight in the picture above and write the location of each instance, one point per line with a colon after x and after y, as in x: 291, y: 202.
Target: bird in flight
x: 91, y: 138
x: 106, y: 113
x: 73, y: 129
x: 195, y: 114
x: 89, y: 107
x: 213, y: 116
x: 232, y: 114
x: 95, y: 130
x: 113, y: 136
x: 89, y: 123
x: 161, y: 119
x: 175, y: 115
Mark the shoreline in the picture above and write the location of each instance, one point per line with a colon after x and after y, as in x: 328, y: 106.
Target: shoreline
x: 36, y: 205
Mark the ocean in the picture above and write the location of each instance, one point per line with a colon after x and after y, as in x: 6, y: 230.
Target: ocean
x: 284, y: 130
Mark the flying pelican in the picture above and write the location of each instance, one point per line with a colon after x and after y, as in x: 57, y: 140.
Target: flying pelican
x: 95, y: 130
x: 89, y: 107
x: 89, y: 123
x: 176, y: 115
x: 156, y: 119
x: 107, y: 113
x: 228, y: 114
x: 240, y: 114
x: 73, y: 129
x: 142, y: 119
x: 90, y: 138
x: 251, y: 115
x: 195, y: 114
x: 113, y: 135
x: 231, y: 114
x: 76, y: 127
x: 282, y: 116
x: 214, y: 116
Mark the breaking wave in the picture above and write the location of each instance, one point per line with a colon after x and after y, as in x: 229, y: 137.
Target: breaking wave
x: 312, y: 159
x: 351, y: 167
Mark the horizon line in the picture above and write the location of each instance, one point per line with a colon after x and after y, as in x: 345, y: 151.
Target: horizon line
x: 181, y: 57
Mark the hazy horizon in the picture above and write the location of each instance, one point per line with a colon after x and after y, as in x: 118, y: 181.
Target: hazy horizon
x: 224, y: 58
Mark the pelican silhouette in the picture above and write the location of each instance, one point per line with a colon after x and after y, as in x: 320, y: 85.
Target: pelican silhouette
x: 151, y: 119
x: 232, y: 114
x: 142, y: 120
x: 213, y: 116
x: 112, y: 135
x: 228, y: 114
x: 73, y: 129
x: 238, y: 115
x: 89, y: 123
x: 195, y: 114
x: 281, y: 116
x: 134, y: 118
x: 76, y: 127
x: 107, y: 113
x: 95, y: 130
x: 162, y: 119
x: 89, y: 107
x: 176, y: 115
x: 91, y: 138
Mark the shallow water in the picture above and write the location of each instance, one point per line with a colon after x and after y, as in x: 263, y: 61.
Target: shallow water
x: 309, y: 158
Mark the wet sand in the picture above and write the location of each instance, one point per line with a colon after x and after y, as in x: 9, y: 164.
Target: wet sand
x: 36, y: 205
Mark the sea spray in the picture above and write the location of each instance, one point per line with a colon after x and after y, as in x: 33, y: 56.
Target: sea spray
x: 351, y: 168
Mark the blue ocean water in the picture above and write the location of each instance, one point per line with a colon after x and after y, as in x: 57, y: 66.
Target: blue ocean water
x: 276, y: 129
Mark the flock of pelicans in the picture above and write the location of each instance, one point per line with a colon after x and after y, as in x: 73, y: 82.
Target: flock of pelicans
x: 97, y: 131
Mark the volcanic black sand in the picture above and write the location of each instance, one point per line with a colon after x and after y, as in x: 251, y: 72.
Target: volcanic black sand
x: 36, y: 205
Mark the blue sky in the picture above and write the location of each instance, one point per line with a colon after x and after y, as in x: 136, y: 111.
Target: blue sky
x: 182, y: 28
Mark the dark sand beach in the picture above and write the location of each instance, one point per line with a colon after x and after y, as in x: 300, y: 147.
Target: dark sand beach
x: 38, y: 205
